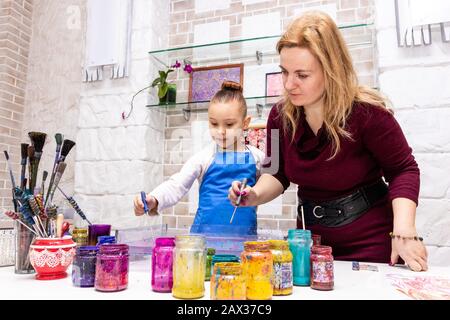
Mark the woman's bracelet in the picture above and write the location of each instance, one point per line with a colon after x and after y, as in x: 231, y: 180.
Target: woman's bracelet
x: 392, y: 235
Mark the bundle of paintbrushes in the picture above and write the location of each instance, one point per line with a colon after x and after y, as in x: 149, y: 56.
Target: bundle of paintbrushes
x: 33, y: 207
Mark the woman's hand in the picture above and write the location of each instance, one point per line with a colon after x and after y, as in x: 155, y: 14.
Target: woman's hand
x: 413, y: 252
x: 152, y: 203
x: 248, y: 197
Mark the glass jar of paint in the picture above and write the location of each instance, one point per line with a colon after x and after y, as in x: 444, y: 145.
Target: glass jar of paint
x: 223, y: 258
x: 300, y: 245
x: 80, y: 236
x: 228, y: 282
x: 322, y: 268
x: 257, y: 264
x: 282, y: 267
x: 111, y: 273
x: 210, y: 252
x: 83, y: 267
x: 189, y: 267
x: 162, y: 263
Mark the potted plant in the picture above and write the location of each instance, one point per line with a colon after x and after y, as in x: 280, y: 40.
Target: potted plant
x: 167, y: 91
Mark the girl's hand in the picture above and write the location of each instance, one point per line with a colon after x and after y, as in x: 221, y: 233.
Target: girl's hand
x: 248, y: 197
x: 413, y: 252
x: 152, y: 203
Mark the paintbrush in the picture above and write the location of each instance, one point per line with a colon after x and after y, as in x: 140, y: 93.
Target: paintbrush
x: 66, y: 147
x: 44, y: 177
x: 25, y: 210
x: 59, y: 172
x: 13, y: 182
x: 52, y: 212
x: 30, y: 152
x: 59, y: 141
x: 74, y: 205
x: 238, y: 201
x: 37, y: 213
x: 15, y: 217
x: 38, y: 141
x: 23, y: 163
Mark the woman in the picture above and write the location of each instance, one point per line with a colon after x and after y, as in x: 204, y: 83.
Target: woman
x: 337, y: 141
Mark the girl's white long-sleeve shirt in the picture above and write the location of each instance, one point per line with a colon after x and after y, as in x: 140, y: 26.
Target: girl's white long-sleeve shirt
x: 177, y: 186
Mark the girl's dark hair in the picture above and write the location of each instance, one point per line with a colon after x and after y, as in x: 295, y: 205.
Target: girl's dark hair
x: 231, y: 91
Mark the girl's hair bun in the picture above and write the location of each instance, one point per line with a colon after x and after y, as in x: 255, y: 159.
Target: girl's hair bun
x: 231, y: 85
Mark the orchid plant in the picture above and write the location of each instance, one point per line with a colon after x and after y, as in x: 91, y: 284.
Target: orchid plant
x: 161, y: 81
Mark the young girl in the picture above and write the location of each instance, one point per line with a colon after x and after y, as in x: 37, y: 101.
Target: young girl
x: 215, y: 167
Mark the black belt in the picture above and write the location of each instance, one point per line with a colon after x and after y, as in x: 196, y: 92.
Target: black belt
x: 342, y: 211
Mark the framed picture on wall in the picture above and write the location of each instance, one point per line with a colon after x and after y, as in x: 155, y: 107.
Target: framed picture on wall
x: 274, y: 84
x: 204, y: 82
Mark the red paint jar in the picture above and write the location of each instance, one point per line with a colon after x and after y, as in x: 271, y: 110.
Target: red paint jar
x: 322, y: 268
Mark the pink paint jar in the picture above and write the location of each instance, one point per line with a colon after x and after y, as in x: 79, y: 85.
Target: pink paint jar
x: 162, y: 264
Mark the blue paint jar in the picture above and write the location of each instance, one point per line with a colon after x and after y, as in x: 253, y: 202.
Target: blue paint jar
x: 300, y: 245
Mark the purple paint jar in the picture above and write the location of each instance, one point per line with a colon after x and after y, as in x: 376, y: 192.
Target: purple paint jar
x: 162, y: 263
x: 111, y: 273
x: 83, y: 267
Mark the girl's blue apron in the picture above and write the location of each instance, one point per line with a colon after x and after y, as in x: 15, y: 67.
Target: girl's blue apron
x: 215, y: 210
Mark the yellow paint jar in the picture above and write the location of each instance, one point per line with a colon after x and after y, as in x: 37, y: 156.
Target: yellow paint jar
x: 228, y: 282
x: 282, y: 267
x: 189, y: 263
x: 257, y: 263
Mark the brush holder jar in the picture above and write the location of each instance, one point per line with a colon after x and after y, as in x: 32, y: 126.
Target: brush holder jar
x: 23, y: 240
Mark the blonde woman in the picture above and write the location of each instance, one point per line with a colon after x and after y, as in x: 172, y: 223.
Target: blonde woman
x: 339, y: 143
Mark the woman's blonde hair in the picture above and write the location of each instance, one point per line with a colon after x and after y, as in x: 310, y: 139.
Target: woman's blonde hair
x: 318, y: 33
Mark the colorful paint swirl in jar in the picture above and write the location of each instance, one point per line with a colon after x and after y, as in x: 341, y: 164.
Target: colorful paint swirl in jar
x: 300, y: 246
x: 210, y: 252
x: 228, y: 282
x: 162, y: 264
x: 282, y: 267
x: 189, y: 265
x: 111, y: 273
x: 322, y: 268
x: 257, y: 263
x: 83, y: 268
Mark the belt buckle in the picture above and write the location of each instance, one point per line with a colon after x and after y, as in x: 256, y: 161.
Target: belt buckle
x: 314, y: 212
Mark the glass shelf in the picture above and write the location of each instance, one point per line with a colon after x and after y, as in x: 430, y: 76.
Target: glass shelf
x: 253, y: 104
x: 259, y: 57
x: 250, y: 48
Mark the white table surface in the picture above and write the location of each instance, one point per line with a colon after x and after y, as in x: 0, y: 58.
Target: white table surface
x: 349, y: 284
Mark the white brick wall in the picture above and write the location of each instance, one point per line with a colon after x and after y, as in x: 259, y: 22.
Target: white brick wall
x: 119, y: 158
x: 417, y: 80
